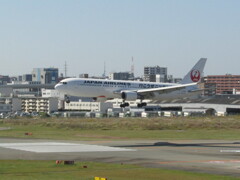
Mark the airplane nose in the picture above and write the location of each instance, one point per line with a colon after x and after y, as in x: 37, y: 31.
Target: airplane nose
x: 57, y: 86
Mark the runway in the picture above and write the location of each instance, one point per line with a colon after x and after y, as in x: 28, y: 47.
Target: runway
x: 211, y: 156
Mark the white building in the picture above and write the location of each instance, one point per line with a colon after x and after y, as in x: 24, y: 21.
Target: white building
x: 52, y: 93
x: 88, y: 106
x: 160, y: 78
x: 116, y: 102
x: 47, y: 93
x: 47, y: 105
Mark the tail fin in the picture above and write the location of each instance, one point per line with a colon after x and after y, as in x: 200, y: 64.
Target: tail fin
x: 196, y: 73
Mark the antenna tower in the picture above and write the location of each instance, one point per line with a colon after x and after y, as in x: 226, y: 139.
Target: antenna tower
x: 65, y: 68
x: 104, y: 72
x: 132, y: 67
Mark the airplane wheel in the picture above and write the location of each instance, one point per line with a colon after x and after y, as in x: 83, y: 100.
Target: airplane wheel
x: 141, y: 105
x: 122, y: 105
x: 144, y: 104
x: 68, y: 101
x: 126, y: 104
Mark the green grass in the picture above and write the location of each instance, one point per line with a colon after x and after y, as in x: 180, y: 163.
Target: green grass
x: 128, y: 128
x: 21, y: 169
x: 40, y: 132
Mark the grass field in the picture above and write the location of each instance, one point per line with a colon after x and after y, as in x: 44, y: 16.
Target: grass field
x: 21, y: 169
x: 133, y: 128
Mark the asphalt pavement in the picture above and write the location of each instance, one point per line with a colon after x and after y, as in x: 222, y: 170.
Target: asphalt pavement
x: 210, y: 156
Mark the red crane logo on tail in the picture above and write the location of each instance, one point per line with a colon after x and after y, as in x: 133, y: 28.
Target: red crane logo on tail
x: 195, y: 75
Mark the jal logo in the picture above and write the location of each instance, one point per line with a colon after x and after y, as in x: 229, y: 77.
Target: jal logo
x: 195, y: 75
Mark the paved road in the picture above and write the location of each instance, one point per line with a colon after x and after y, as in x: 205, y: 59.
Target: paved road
x: 211, y: 156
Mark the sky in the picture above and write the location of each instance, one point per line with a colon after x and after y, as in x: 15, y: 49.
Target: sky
x: 87, y: 33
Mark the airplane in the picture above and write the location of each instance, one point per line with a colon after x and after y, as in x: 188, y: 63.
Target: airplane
x: 103, y: 89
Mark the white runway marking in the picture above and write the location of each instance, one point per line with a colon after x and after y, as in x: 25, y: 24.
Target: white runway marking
x: 49, y: 147
x: 230, y: 151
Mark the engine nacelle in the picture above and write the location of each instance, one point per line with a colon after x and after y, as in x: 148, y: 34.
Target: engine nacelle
x: 129, y: 95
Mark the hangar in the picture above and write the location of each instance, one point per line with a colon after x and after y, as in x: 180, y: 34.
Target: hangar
x: 219, y: 104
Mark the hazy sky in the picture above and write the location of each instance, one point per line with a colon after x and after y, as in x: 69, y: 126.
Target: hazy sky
x: 87, y: 33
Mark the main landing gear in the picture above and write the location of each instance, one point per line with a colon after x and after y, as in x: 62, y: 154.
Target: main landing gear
x: 139, y: 105
x: 67, y: 100
x: 123, y: 105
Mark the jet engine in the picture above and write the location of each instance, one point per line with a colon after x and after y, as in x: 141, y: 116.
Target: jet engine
x: 129, y: 95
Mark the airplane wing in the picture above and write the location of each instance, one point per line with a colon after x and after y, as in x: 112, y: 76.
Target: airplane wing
x: 148, y: 93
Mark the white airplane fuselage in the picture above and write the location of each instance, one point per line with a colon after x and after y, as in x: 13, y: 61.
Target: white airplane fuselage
x: 111, y: 88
